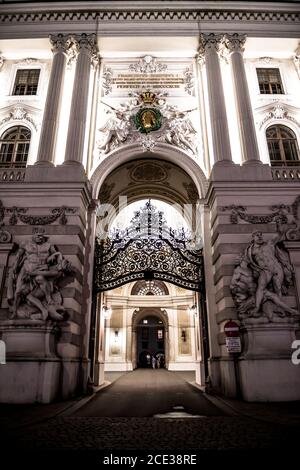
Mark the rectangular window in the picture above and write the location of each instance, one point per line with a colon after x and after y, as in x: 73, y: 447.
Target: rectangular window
x: 269, y: 81
x: 26, y: 82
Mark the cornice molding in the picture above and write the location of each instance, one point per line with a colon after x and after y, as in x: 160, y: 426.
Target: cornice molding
x: 47, y: 18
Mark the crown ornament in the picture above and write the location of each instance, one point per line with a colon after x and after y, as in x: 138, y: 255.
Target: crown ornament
x: 148, y: 97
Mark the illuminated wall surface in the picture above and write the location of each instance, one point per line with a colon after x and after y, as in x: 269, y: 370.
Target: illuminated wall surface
x: 195, y: 106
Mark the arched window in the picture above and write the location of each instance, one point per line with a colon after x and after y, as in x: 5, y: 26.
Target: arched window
x: 282, y: 145
x: 14, y: 147
x: 149, y: 288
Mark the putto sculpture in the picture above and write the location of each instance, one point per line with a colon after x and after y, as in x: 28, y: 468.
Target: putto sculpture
x: 33, y: 282
x: 262, y: 278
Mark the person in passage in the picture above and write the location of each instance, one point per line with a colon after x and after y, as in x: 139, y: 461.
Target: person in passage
x: 153, y: 361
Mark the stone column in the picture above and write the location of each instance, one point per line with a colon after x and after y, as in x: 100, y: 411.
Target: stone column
x: 46, y: 151
x: 86, y: 45
x: 234, y: 44
x: 208, y: 50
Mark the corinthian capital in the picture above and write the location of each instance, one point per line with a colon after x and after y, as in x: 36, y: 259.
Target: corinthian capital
x: 209, y: 41
x: 234, y: 42
x: 86, y: 43
x: 60, y: 42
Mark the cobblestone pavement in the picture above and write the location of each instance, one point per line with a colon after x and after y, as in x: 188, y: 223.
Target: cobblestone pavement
x: 213, y: 429
x: 80, y: 433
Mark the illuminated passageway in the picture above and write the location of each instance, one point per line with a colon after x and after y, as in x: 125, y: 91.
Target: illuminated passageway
x: 148, y: 392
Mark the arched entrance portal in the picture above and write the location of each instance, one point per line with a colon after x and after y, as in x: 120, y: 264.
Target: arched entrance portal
x: 148, y: 251
x: 151, y: 321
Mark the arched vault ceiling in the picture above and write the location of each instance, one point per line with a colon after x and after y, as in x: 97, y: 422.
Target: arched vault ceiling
x: 149, y: 178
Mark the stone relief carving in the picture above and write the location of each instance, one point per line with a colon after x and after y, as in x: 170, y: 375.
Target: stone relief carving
x: 282, y: 213
x: 107, y: 80
x: 297, y: 60
x: 20, y: 214
x: 28, y: 61
x: 18, y: 113
x: 5, y: 236
x: 189, y: 78
x: 34, y: 290
x: 147, y: 172
x: 240, y: 212
x: 279, y: 111
x: 265, y: 60
x: 147, y: 64
x: 293, y: 234
x: 176, y: 127
x: 261, y: 279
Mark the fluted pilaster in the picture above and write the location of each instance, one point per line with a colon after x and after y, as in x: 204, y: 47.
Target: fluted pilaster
x: 208, y: 51
x: 234, y: 44
x: 86, y: 46
x: 46, y: 152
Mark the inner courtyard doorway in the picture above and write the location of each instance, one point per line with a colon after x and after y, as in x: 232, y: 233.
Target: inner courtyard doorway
x: 151, y: 343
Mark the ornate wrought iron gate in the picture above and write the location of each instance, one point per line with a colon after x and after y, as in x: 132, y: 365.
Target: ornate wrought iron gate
x: 147, y: 249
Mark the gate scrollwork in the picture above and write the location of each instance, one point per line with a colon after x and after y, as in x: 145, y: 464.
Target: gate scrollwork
x: 147, y: 249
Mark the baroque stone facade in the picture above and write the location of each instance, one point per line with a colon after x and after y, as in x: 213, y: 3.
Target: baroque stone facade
x: 149, y: 108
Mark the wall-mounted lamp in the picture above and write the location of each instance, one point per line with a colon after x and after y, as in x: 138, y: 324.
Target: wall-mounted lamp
x: 106, y: 311
x: 193, y: 310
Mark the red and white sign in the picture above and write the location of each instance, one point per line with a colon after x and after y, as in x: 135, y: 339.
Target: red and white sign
x: 231, y: 329
x: 233, y: 340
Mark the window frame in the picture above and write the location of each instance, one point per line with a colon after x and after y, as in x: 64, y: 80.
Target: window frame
x: 273, y: 67
x: 13, y: 163
x: 283, y: 162
x: 29, y: 69
x: 39, y: 66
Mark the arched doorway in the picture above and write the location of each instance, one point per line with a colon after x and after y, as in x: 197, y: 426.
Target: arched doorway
x: 150, y: 337
x: 149, y: 252
x: 150, y: 348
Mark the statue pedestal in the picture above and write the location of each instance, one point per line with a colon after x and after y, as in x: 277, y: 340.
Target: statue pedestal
x: 32, y: 370
x: 265, y: 366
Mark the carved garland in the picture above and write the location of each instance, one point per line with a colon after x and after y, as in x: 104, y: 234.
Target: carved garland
x: 19, y: 214
x: 239, y: 212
